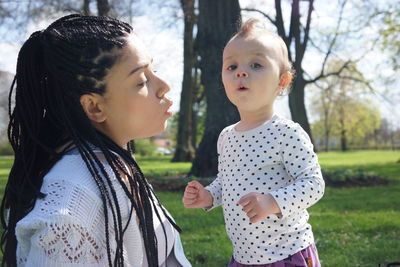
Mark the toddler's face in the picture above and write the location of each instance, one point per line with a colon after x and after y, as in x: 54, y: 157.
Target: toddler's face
x: 251, y: 71
x: 135, y: 103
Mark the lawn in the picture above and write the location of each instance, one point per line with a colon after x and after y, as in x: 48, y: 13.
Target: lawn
x: 352, y: 226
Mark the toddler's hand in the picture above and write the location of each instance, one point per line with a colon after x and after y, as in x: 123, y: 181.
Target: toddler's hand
x: 258, y: 206
x: 196, y: 196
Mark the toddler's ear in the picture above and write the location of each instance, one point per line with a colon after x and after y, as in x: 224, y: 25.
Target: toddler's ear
x: 285, y: 79
x: 91, y: 104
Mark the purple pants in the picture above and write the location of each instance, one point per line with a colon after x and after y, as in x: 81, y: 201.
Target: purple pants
x: 307, y: 257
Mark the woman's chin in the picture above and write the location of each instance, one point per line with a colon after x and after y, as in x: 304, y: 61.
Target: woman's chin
x: 148, y: 134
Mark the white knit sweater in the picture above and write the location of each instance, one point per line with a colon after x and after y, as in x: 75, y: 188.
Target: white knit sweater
x: 66, y: 228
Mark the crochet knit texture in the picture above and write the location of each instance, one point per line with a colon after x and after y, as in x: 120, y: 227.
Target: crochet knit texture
x: 66, y: 228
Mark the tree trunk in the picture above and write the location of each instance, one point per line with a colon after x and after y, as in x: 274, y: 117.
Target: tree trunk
x: 197, y: 98
x: 103, y: 7
x: 86, y: 9
x: 296, y: 103
x: 343, y: 138
x: 327, y: 132
x: 299, y: 35
x: 184, y: 149
x: 217, y: 23
x: 327, y: 128
x: 194, y: 127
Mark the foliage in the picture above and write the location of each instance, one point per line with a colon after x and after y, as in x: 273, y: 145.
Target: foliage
x: 172, y: 128
x: 361, y: 120
x: 346, y: 174
x: 352, y: 177
x: 145, y: 147
x: 342, y: 108
x: 6, y: 149
x: 390, y: 30
x: 201, y: 109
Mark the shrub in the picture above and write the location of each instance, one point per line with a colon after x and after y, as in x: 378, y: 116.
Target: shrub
x: 352, y: 177
x: 6, y: 149
x: 144, y: 147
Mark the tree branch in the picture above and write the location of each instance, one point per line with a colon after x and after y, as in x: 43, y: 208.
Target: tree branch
x: 280, y: 23
x: 262, y: 13
x: 359, y: 80
x: 335, y: 37
x: 337, y: 73
x: 295, y: 30
x: 307, y: 29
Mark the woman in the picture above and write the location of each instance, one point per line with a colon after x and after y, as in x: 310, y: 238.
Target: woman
x: 85, y: 88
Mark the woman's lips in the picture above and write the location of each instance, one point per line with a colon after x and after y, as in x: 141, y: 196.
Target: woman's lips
x: 169, y: 111
x: 243, y: 88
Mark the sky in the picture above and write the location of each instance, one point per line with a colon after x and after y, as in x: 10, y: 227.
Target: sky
x: 165, y: 44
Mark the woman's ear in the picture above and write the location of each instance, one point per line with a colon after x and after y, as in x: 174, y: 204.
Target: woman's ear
x: 91, y: 104
x: 285, y: 79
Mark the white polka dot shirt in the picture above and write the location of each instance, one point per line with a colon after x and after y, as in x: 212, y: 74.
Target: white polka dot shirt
x: 276, y: 157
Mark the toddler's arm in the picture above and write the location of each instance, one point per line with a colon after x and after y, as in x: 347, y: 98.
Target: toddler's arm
x: 195, y: 196
x: 301, y: 163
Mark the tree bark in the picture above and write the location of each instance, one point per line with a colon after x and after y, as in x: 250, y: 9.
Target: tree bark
x: 103, y: 7
x: 216, y: 24
x: 342, y: 118
x: 343, y: 138
x: 296, y: 97
x: 197, y: 98
x: 86, y: 9
x: 297, y: 106
x: 184, y: 149
x: 327, y: 132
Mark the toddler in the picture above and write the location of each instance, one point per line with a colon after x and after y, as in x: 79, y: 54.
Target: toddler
x: 268, y: 173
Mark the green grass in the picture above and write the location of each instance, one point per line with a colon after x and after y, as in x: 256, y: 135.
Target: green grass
x: 360, y: 158
x: 162, y: 166
x: 352, y: 226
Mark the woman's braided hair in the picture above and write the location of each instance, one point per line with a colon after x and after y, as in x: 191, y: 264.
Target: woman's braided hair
x: 55, y: 68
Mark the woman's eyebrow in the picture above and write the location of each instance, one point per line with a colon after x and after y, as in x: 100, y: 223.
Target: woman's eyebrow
x: 145, y: 66
x: 138, y: 68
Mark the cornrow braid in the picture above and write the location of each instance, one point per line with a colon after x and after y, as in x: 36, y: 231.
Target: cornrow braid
x: 55, y: 68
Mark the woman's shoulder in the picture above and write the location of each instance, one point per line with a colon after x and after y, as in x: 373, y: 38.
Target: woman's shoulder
x: 73, y: 170
x: 70, y: 186
x: 70, y: 196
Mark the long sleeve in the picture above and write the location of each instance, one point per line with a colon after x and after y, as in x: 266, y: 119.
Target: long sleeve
x: 215, y: 188
x: 301, y: 164
x: 65, y: 228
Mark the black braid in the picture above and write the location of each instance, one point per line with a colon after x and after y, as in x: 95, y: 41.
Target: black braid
x: 55, y: 68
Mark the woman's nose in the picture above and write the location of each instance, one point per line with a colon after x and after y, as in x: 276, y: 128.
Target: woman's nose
x: 241, y: 74
x: 163, y: 88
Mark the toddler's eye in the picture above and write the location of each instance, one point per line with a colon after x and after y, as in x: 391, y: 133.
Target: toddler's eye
x: 255, y: 66
x: 231, y: 67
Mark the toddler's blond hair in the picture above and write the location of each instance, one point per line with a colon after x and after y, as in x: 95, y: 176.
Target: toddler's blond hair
x: 254, y: 27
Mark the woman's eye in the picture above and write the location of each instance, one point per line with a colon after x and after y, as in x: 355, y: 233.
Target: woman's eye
x: 255, y: 66
x: 231, y: 67
x: 141, y: 84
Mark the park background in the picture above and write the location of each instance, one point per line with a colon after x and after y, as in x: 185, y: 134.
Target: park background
x: 345, y: 95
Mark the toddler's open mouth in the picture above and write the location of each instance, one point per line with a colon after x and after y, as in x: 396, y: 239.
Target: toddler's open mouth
x: 242, y: 88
